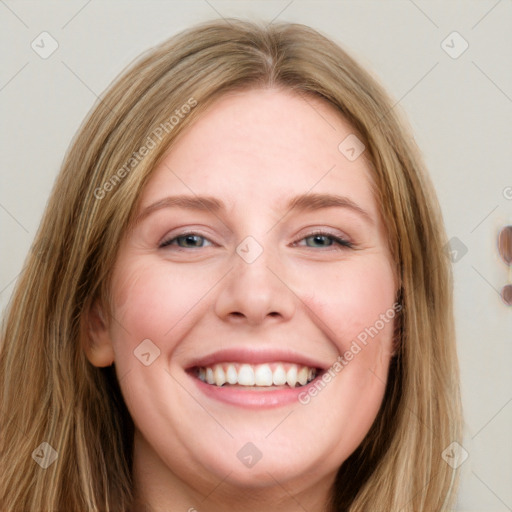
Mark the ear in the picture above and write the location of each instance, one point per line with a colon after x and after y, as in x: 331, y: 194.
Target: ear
x: 96, y: 340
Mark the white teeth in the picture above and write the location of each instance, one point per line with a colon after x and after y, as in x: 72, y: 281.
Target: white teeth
x: 264, y: 375
x: 231, y: 374
x: 219, y: 375
x: 279, y: 376
x: 291, y: 376
x: 302, y: 376
x: 246, y: 375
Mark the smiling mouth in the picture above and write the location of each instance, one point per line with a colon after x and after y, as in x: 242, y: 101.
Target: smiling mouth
x: 266, y: 375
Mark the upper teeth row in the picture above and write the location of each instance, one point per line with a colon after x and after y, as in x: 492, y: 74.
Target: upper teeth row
x: 257, y: 375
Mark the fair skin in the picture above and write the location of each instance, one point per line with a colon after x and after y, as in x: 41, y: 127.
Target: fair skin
x: 307, y: 297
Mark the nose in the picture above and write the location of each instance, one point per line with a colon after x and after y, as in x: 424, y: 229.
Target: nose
x: 256, y: 292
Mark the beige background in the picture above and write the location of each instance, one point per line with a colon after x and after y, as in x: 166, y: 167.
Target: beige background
x: 460, y: 110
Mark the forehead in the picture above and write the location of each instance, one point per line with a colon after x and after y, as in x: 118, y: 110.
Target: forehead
x: 263, y: 145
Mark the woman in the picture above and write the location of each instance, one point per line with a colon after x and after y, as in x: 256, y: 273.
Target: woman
x: 238, y: 295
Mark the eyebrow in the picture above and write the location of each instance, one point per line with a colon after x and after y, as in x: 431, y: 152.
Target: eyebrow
x: 199, y: 203
x: 312, y: 202
x: 304, y: 202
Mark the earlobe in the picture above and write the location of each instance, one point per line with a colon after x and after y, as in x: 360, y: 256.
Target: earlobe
x: 96, y: 340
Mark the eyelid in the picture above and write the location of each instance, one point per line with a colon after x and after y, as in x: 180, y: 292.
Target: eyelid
x: 170, y: 237
x: 340, y: 239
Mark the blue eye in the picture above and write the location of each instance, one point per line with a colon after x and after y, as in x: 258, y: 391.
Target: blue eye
x: 187, y: 241
x: 315, y: 241
x: 319, y: 240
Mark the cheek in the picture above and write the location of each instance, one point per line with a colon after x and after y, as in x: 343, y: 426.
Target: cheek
x: 354, y: 300
x: 153, y: 302
x: 356, y: 306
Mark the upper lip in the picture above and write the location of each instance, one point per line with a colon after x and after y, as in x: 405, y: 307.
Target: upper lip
x: 255, y: 356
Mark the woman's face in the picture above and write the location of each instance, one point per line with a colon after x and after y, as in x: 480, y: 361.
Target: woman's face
x: 259, y: 257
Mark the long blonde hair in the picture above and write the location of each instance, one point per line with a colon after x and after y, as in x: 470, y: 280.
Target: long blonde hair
x: 49, y: 392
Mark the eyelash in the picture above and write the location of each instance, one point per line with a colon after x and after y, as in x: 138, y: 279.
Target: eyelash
x: 340, y: 242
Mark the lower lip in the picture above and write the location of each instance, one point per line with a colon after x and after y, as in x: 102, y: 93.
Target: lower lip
x: 253, y: 398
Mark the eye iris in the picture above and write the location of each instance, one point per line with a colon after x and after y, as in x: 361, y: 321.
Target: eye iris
x: 317, y: 240
x: 190, y: 241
